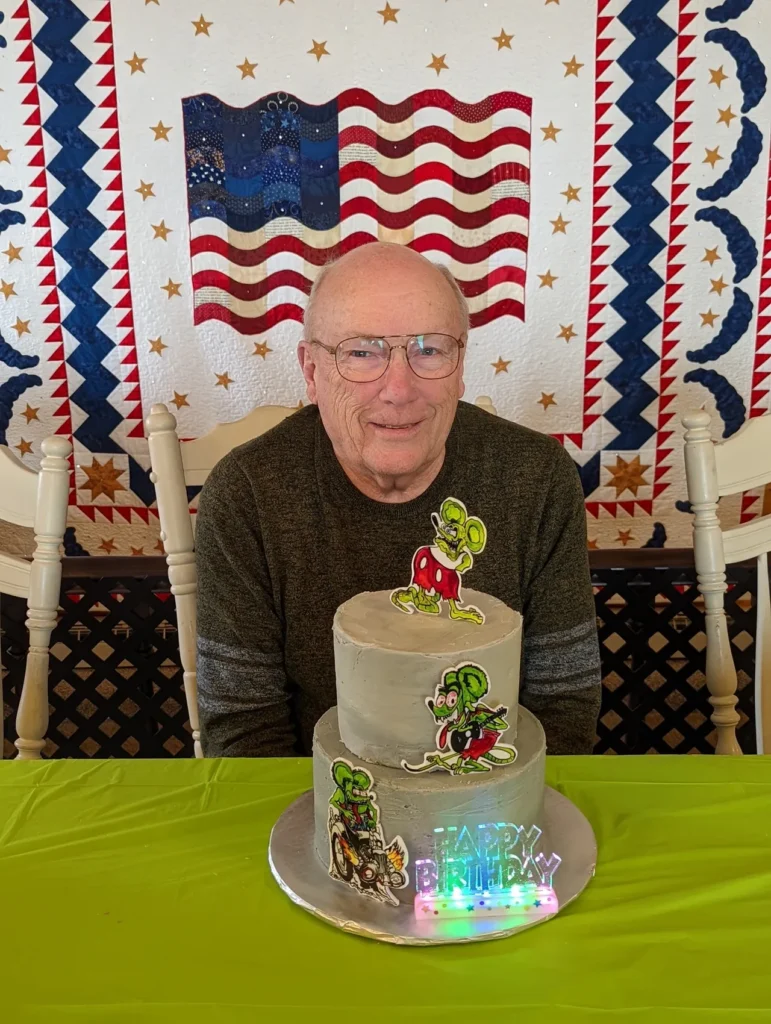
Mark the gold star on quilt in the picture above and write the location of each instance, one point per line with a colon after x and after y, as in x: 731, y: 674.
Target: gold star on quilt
x: 161, y: 131
x: 550, y: 132
x: 725, y: 116
x: 180, y: 400
x: 13, y: 252
x: 627, y: 476
x: 503, y: 40
x: 145, y: 189
x: 202, y: 26
x: 159, y: 546
x: 710, y: 255
x: 157, y: 2
x: 718, y: 284
x: 438, y: 64
x: 7, y: 289
x: 559, y: 225
x: 137, y: 552
x: 246, y: 69
x: 161, y: 231
x: 717, y: 76
x: 319, y: 50
x: 571, y: 194
x: 547, y: 279
x: 102, y: 479
x: 108, y: 546
x: 567, y: 332
x: 21, y: 327
x: 261, y: 349
x: 708, y: 319
x: 223, y: 380
x: 591, y: 543
x: 501, y: 366
x: 280, y: 2
x: 172, y: 288
x: 546, y: 400
x: 156, y: 345
x: 4, y: 154
x: 389, y: 13
x: 624, y: 537
x: 712, y: 157
x: 31, y: 414
x: 136, y: 63
x: 572, y: 67
x: 25, y: 447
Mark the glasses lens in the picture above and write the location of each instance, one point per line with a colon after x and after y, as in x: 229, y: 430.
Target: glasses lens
x: 433, y: 355
x: 362, y: 359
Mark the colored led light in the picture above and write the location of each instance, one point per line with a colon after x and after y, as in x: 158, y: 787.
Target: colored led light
x: 496, y: 861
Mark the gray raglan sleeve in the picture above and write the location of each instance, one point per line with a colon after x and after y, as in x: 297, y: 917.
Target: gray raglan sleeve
x: 243, y: 696
x: 561, y: 681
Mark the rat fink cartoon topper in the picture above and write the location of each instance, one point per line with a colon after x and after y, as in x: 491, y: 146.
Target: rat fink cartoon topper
x: 469, y: 730
x: 358, y: 853
x: 437, y: 568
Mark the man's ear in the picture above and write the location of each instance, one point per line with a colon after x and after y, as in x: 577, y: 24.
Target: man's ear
x: 308, y: 367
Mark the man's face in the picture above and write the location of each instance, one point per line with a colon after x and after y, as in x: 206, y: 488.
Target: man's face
x: 397, y: 425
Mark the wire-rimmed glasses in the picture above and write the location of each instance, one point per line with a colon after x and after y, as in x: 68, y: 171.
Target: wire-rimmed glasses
x: 362, y: 360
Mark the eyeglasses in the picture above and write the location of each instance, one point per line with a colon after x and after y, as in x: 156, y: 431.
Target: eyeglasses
x: 362, y: 360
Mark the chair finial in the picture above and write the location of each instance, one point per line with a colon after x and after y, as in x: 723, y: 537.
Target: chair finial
x: 56, y: 447
x: 160, y: 419
x: 697, y: 419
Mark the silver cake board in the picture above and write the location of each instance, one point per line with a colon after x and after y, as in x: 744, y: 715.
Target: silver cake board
x: 307, y: 882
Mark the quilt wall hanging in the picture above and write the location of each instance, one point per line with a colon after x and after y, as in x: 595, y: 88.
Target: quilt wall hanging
x: 595, y: 172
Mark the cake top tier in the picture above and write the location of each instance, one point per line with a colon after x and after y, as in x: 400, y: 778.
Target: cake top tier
x: 371, y: 619
x: 395, y: 672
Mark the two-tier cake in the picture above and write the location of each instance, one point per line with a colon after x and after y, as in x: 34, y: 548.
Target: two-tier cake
x: 428, y: 776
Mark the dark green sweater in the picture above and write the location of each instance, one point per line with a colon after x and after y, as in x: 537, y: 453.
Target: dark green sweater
x: 283, y: 538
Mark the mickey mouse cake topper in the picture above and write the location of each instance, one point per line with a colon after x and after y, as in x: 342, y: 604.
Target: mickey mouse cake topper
x: 438, y: 567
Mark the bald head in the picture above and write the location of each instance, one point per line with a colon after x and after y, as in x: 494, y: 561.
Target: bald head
x: 390, y: 271
x: 388, y: 431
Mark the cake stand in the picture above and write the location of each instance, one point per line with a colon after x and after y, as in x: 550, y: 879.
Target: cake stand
x: 307, y: 882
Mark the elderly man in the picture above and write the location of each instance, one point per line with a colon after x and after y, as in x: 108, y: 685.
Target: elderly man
x: 338, y: 497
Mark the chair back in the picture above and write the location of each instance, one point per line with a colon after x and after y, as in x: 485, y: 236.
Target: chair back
x: 39, y: 500
x: 175, y: 467
x: 741, y: 463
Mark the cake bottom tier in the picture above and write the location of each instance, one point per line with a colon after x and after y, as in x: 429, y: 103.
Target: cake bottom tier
x: 416, y: 808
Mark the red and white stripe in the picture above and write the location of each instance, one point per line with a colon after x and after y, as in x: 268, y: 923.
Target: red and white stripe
x: 450, y: 180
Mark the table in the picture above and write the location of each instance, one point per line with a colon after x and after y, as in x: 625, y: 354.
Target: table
x: 140, y: 891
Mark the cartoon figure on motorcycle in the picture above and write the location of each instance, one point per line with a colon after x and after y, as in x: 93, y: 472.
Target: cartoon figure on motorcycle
x: 359, y: 854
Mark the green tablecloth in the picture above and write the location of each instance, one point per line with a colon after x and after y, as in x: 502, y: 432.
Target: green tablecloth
x: 141, y: 892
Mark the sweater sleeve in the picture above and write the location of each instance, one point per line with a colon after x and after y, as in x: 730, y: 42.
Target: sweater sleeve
x: 561, y: 681
x: 243, y: 692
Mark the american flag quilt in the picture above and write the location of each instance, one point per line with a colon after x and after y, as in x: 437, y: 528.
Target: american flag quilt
x: 594, y: 172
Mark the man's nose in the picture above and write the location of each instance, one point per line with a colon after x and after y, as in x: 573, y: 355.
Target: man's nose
x: 399, y: 381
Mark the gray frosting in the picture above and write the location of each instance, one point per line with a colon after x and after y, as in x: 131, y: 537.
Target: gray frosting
x: 388, y: 663
x: 412, y: 806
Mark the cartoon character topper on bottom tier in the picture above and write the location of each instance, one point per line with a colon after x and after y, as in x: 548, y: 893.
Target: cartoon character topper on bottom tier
x: 467, y: 727
x: 437, y: 568
x: 359, y: 854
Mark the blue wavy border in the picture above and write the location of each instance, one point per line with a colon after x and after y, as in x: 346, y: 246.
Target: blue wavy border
x: 83, y: 230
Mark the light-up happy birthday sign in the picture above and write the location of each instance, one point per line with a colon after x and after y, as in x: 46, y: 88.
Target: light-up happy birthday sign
x: 487, y: 870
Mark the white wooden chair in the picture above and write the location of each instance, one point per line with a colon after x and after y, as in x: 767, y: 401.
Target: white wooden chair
x: 741, y: 463
x: 38, y: 500
x: 175, y: 466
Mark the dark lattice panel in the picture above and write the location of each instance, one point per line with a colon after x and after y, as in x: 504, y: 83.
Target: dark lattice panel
x: 653, y: 649
x: 116, y: 685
